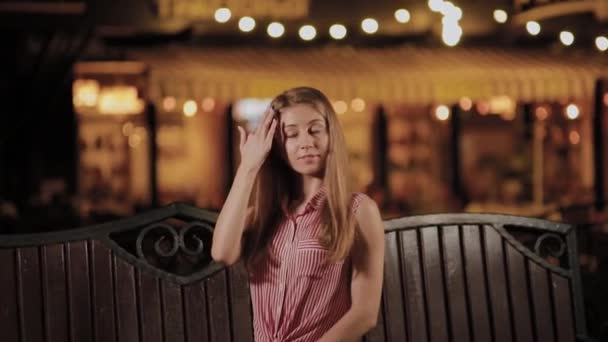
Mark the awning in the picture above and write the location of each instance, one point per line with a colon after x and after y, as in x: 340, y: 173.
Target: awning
x: 403, y: 74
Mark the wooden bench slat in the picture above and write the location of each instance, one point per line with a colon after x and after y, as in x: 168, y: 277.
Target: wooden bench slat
x: 219, y: 312
x: 414, y: 287
x: 172, y: 311
x: 393, y: 309
x: 103, y: 292
x: 242, y: 325
x: 539, y: 284
x: 79, y: 297
x: 563, y: 308
x: 433, y: 280
x: 149, y: 307
x: 30, y: 296
x: 520, y: 300
x: 55, y: 293
x: 9, y: 322
x: 476, y: 282
x: 126, y: 307
x: 497, y: 282
x: 454, y: 274
x: 195, y: 308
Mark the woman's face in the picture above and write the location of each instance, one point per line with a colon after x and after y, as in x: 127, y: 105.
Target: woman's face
x: 305, y: 139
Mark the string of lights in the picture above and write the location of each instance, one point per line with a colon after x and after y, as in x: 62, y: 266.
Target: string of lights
x: 451, y: 33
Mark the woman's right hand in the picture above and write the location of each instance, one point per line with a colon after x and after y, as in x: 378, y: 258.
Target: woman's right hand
x: 254, y: 147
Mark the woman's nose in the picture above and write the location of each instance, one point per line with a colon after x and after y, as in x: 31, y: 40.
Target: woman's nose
x: 306, y: 141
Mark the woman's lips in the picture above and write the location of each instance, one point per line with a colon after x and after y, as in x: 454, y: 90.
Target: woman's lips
x: 309, y: 157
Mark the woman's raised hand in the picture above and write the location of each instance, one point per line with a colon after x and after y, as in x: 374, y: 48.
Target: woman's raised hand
x: 255, y: 146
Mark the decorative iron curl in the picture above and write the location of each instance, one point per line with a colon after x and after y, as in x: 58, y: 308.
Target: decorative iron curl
x: 552, y: 251
x: 178, y: 240
x: 200, y: 246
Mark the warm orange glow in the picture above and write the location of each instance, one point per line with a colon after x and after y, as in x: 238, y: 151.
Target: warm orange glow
x: 502, y: 105
x: 508, y: 116
x: 137, y: 137
x: 483, y: 108
x: 169, y: 103
x: 340, y: 107
x: 120, y: 100
x: 85, y: 93
x: 134, y: 140
x: 358, y: 104
x: 541, y: 113
x: 127, y: 129
x: 574, y: 137
x: 465, y: 103
x: 208, y: 104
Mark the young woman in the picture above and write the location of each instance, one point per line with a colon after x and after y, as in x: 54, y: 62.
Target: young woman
x: 314, y: 251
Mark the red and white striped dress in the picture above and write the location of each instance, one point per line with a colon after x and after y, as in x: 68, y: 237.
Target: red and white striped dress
x: 297, y: 295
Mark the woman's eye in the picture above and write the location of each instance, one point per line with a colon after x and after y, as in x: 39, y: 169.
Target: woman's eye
x: 316, y: 130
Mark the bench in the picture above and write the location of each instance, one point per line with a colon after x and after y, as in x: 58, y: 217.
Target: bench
x: 448, y: 277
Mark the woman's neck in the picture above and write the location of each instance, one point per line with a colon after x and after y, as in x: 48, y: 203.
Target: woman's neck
x: 309, y: 187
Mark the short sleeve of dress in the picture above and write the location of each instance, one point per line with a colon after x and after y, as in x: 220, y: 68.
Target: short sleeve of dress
x: 356, y: 200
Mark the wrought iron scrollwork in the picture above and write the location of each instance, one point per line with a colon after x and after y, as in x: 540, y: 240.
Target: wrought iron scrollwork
x: 180, y: 250
x: 550, y: 244
x: 183, y: 237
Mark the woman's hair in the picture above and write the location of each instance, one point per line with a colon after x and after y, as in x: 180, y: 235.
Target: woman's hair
x: 277, y: 184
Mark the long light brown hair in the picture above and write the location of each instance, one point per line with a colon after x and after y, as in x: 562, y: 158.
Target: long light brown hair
x: 277, y: 184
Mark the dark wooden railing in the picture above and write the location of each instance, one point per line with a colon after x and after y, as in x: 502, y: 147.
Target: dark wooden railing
x: 448, y: 277
x: 520, y: 5
x: 525, y: 10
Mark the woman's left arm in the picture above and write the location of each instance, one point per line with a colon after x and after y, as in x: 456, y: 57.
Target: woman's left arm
x: 366, y: 282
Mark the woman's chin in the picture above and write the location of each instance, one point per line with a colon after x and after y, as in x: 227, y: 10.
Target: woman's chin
x: 309, y: 170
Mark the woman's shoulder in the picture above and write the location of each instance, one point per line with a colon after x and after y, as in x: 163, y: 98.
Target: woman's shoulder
x: 360, y: 199
x: 367, y: 214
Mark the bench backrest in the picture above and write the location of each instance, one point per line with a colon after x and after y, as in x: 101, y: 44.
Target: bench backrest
x: 454, y: 277
x: 475, y: 277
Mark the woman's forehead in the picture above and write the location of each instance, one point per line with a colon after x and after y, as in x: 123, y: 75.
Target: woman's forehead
x: 300, y: 114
